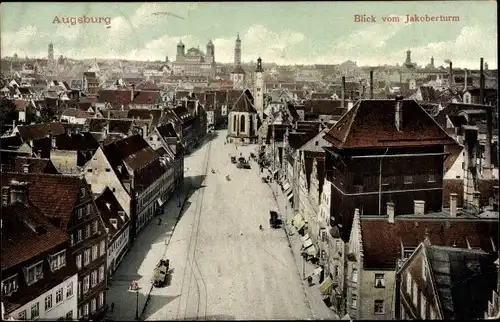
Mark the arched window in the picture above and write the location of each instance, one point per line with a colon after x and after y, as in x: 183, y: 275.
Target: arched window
x: 242, y: 123
x: 235, y: 122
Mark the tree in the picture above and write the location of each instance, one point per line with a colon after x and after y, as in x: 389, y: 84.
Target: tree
x: 47, y: 114
x: 7, y: 113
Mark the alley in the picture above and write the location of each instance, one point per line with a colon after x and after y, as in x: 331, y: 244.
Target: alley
x: 224, y: 266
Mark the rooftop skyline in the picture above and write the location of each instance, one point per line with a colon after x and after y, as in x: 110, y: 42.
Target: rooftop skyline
x: 284, y: 33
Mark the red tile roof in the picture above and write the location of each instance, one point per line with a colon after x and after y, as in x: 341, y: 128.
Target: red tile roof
x: 26, y: 233
x: 55, y: 195
x: 243, y: 104
x: 370, y: 124
x: 125, y: 97
x: 382, y: 240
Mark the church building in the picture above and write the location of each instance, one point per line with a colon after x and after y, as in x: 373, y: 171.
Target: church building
x: 243, y: 120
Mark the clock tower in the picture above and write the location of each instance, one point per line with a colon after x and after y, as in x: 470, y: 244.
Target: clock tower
x: 259, y: 89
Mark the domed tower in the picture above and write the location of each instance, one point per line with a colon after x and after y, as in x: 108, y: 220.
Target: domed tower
x: 237, y: 51
x: 259, y: 89
x: 210, y: 57
x: 181, y: 51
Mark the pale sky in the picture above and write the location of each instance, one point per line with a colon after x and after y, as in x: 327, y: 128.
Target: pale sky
x: 281, y: 32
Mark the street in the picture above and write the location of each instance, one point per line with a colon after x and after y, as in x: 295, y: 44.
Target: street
x: 224, y: 266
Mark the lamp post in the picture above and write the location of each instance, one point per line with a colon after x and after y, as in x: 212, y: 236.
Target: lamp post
x: 137, y: 303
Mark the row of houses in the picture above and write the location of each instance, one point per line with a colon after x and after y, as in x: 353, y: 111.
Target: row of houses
x: 368, y: 188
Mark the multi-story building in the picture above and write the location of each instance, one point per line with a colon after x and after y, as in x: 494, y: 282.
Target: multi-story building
x: 39, y: 279
x: 68, y: 203
x: 194, y: 62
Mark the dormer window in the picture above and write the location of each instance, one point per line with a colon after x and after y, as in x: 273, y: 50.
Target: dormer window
x: 57, y: 261
x: 407, y: 251
x: 9, y: 285
x: 33, y: 273
x: 114, y: 222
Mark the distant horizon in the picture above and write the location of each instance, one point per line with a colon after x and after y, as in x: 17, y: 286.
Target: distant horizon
x: 278, y: 32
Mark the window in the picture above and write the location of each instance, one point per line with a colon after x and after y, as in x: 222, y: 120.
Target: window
x: 69, y: 290
x: 408, y: 179
x: 424, y: 270
x: 94, y: 252
x: 48, y: 302
x: 101, y: 299
x: 108, y: 169
x: 9, y: 285
x: 407, y: 251
x: 93, y: 279
x: 86, y: 257
x: 35, y: 311
x: 431, y: 178
x: 336, y: 271
x: 379, y: 281
x: 89, y: 170
x: 80, y: 290
x: 101, y: 273
x: 94, y: 227
x: 58, y: 260
x: 22, y: 315
x: 94, y: 305
x: 79, y: 261
x: 69, y: 315
x: 423, y: 305
x: 59, y: 295
x: 89, y: 209
x: 79, y: 239
x: 87, y: 231
x: 86, y: 309
x: 354, y: 277
x: 408, y: 283
x: 102, y: 247
x: 86, y: 284
x: 354, y: 301
x: 378, y: 307
x: 415, y: 294
x: 72, y: 236
x: 34, y: 273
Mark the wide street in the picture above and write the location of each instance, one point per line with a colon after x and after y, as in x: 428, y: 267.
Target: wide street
x: 224, y: 266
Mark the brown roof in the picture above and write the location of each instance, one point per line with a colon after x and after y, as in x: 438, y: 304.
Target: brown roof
x: 233, y: 95
x: 77, y: 113
x: 54, y: 194
x: 146, y: 114
x: 243, y: 104
x: 322, y: 96
x: 20, y: 104
x: 428, y: 93
x: 114, y: 126
x: 238, y: 70
x: 324, y: 107
x: 77, y: 142
x: 370, y: 124
x: 109, y: 207
x: 382, y: 240
x: 38, y: 131
x: 115, y: 114
x: 124, y: 97
x: 146, y: 97
x: 36, y: 165
x: 26, y: 233
x: 133, y: 150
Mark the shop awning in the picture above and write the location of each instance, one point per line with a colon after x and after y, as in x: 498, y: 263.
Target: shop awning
x: 326, y: 286
x: 311, y: 251
x: 298, y: 221
x: 286, y: 186
x: 308, y: 243
x: 289, y: 196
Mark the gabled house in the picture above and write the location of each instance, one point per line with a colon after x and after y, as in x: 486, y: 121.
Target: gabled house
x: 71, y: 151
x: 67, y: 202
x: 243, y: 120
x: 39, y: 279
x: 38, y: 137
x: 34, y: 165
x: 76, y: 116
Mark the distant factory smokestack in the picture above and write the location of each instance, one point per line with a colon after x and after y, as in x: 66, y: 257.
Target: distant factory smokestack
x: 343, y: 93
x: 371, y: 84
x: 451, y: 73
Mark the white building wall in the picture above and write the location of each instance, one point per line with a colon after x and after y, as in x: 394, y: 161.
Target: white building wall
x: 116, y: 248
x: 73, y: 119
x: 456, y: 171
x: 68, y: 304
x: 99, y: 179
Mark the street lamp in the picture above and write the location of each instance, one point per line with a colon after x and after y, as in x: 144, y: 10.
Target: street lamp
x: 137, y: 303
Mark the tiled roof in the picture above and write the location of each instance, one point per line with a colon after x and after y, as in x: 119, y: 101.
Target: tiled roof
x: 146, y: 97
x: 76, y: 142
x: 464, y: 280
x: 233, y: 95
x: 20, y: 104
x: 167, y: 130
x: 243, y: 104
x: 114, y: 126
x: 73, y: 112
x: 320, y: 96
x: 124, y: 97
x: 370, y: 123
x: 146, y: 114
x: 428, y: 93
x: 238, y: 70
x: 55, y: 195
x: 38, y: 131
x: 452, y: 109
x: 325, y: 107
x: 382, y: 240
x: 109, y: 207
x: 10, y: 142
x: 36, y: 165
x: 26, y: 233
x: 133, y: 150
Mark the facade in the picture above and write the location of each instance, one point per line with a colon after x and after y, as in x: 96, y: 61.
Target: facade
x: 259, y: 89
x: 38, y: 279
x: 194, y: 62
x: 238, y: 77
x: 77, y: 216
x: 243, y: 120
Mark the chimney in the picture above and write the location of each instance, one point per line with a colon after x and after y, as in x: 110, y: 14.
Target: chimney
x: 343, y: 93
x: 18, y: 191
x: 371, y: 84
x: 476, y: 195
x: 390, y: 212
x: 5, y: 196
x: 481, y: 83
x: 453, y: 204
x: 398, y: 113
x: 451, y: 73
x: 26, y: 168
x: 54, y: 143
x: 419, y: 206
x: 132, y: 93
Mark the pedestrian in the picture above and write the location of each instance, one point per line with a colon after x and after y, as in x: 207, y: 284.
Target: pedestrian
x: 112, y: 306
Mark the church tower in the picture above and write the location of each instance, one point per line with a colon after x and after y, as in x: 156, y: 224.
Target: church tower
x: 408, y: 57
x: 259, y: 89
x: 237, y: 51
x: 210, y: 57
x: 180, y: 52
x: 51, y: 52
